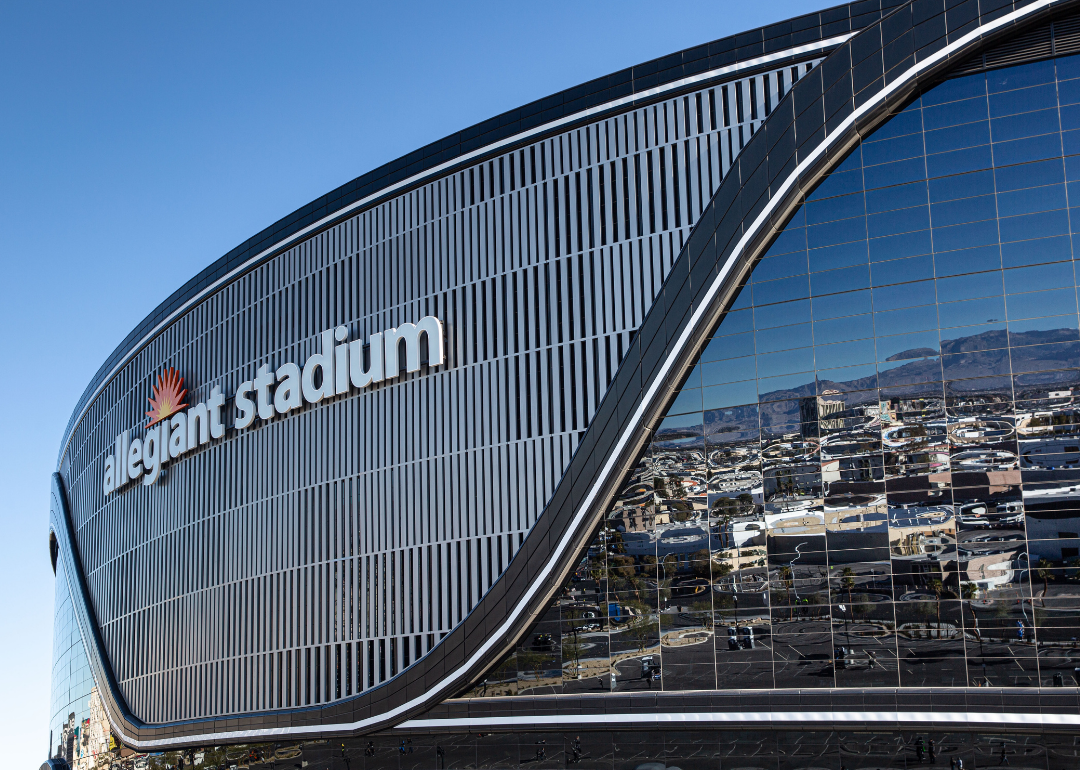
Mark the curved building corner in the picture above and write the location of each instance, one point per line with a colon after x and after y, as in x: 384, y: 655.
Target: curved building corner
x: 719, y: 412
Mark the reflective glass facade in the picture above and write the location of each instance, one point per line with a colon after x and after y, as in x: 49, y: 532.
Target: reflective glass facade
x: 859, y: 509
x: 78, y: 727
x: 869, y: 477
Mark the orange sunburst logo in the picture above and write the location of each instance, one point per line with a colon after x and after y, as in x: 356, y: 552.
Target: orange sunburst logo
x: 168, y: 397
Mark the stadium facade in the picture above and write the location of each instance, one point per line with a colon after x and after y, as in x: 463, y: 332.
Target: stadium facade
x: 721, y: 412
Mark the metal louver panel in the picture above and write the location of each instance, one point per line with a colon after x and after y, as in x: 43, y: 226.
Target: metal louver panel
x: 1036, y: 44
x: 1067, y: 36
x: 1058, y: 38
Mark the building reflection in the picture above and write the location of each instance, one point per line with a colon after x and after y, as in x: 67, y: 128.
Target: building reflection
x: 869, y: 478
x: 912, y: 535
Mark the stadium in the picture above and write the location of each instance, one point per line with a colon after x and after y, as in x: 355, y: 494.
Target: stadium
x: 720, y: 412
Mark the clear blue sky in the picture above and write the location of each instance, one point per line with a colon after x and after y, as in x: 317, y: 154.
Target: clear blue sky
x: 140, y: 142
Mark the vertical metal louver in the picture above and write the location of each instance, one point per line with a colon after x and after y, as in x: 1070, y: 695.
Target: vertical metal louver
x: 320, y: 555
x: 1058, y: 38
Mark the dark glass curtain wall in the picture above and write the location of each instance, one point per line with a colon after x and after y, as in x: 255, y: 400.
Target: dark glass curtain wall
x: 870, y: 478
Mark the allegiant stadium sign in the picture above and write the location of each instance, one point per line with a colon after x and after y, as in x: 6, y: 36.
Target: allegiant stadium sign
x: 175, y: 428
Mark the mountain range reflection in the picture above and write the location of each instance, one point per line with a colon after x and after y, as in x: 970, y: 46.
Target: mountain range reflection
x: 892, y: 530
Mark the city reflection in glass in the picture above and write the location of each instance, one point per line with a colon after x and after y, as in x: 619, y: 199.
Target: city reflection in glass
x: 871, y: 476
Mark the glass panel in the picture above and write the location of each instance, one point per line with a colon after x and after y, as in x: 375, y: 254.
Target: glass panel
x: 872, y: 478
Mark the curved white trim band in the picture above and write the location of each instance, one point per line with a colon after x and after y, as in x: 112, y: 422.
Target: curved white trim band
x: 672, y: 357
x: 951, y: 718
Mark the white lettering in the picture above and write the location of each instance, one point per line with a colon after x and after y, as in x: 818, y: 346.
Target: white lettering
x: 341, y: 362
x: 198, y: 426
x: 110, y: 475
x: 245, y: 405
x: 287, y: 394
x: 134, y: 459
x: 178, y: 438
x: 264, y: 378
x: 431, y: 327
x: 165, y: 428
x: 152, y: 454
x: 329, y: 372
x: 121, y: 461
x: 360, y: 376
x: 216, y: 402
x: 323, y: 364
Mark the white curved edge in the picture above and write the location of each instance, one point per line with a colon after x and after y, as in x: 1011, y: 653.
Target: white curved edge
x: 240, y: 736
x: 952, y: 718
x: 435, y: 171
